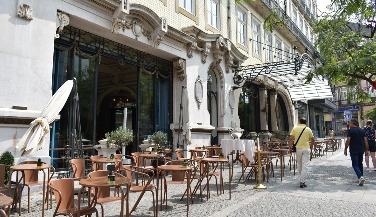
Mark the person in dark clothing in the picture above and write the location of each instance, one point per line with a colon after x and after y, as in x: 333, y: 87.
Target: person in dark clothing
x: 370, y: 134
x: 358, y: 143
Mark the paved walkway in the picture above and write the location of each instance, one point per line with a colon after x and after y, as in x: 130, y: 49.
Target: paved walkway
x: 332, y: 191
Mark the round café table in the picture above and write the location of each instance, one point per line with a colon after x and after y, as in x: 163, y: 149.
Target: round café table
x: 22, y: 168
x: 170, y: 167
x: 104, y: 160
x: 221, y: 162
x: 97, y: 182
x: 282, y: 152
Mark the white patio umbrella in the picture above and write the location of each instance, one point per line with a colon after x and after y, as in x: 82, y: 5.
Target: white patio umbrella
x: 34, y: 137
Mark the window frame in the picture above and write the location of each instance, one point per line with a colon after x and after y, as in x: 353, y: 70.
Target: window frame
x: 193, y: 6
x: 241, y: 30
x: 269, y: 47
x: 278, y: 49
x: 256, y: 44
x: 210, y: 15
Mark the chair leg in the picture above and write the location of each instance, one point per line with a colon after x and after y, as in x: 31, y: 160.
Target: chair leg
x: 102, y: 209
x: 28, y: 199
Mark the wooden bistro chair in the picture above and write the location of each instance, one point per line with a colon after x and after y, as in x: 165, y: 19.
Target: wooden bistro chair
x: 250, y: 168
x: 96, y: 166
x: 5, y: 188
x: 63, y: 190
x: 104, y: 193
x: 142, y: 185
x: 78, y: 167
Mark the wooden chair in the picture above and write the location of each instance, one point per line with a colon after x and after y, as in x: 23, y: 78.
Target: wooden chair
x: 96, y: 166
x: 78, y: 167
x: 251, y: 166
x: 180, y: 154
x: 63, y: 190
x: 140, y: 186
x: 104, y: 193
x: 5, y: 188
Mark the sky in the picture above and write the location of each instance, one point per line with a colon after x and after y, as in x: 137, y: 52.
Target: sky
x: 321, y: 5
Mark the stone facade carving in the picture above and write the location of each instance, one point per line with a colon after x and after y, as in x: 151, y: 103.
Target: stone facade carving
x: 205, y: 50
x: 217, y: 68
x: 25, y: 12
x: 199, y: 91
x: 61, y: 21
x: 179, y: 68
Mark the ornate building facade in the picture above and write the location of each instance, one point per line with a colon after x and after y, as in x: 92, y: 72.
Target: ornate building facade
x: 134, y: 59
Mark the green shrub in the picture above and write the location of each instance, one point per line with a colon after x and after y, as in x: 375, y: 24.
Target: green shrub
x: 7, y: 159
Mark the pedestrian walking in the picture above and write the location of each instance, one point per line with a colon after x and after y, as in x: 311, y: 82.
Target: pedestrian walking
x: 358, y: 143
x: 370, y: 134
x: 302, y: 137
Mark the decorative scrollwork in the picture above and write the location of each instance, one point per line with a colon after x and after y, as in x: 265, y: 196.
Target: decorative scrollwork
x: 179, y: 68
x: 25, y: 12
x: 61, y: 21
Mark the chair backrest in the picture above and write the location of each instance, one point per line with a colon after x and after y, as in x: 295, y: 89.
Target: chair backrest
x: 128, y: 173
x: 179, y: 153
x: 63, y: 192
x: 244, y: 159
x: 2, y: 175
x: 217, y: 150
x: 31, y: 176
x: 96, y: 166
x: 177, y: 175
x: 118, y: 156
x: 78, y: 166
x: 102, y: 191
x: 138, y: 161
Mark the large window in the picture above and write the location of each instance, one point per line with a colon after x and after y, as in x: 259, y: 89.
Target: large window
x: 278, y: 50
x: 294, y: 15
x: 213, y: 13
x: 242, y: 27
x: 301, y: 23
x: 256, y: 29
x: 287, y: 55
x: 188, y: 5
x: 269, y: 47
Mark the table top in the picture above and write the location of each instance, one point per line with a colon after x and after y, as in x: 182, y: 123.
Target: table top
x: 105, y: 160
x: 21, y: 167
x: 150, y: 155
x: 214, y: 159
x: 5, y: 201
x: 103, y: 182
x: 197, y: 150
x: 268, y: 152
x: 281, y: 149
x: 174, y: 168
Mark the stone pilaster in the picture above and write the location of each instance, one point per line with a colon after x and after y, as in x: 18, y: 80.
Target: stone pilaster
x: 273, y: 113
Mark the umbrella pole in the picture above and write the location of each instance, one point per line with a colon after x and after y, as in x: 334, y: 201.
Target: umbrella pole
x: 180, y: 117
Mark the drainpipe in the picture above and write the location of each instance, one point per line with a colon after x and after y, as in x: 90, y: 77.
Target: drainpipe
x: 229, y: 8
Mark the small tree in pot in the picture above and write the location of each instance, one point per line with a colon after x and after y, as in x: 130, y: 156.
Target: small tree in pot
x: 119, y: 138
x: 159, y: 138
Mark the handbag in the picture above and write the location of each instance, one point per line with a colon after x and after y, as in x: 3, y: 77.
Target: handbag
x: 294, y: 145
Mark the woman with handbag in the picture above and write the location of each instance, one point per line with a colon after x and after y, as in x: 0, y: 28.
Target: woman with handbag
x: 301, y: 136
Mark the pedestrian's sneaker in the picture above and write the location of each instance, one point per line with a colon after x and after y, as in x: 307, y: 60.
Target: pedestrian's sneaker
x: 302, y: 185
x: 361, y: 181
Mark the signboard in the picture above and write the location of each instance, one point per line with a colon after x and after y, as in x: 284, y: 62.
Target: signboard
x: 347, y: 115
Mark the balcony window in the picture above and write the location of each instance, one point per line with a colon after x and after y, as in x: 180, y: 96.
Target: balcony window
x: 287, y: 52
x: 213, y: 13
x: 278, y: 50
x: 188, y: 5
x: 294, y: 15
x: 256, y: 29
x: 242, y: 27
x: 268, y: 48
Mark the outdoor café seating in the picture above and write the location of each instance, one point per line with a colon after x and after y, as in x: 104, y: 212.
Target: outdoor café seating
x: 63, y: 190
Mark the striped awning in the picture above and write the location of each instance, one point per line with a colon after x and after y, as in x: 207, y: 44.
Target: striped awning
x: 293, y: 77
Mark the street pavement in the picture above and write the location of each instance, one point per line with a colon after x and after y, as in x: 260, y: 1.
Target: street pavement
x: 332, y: 191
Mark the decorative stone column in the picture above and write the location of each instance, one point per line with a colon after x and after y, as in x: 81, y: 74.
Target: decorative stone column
x: 264, y: 135
x: 273, y: 113
x: 263, y: 109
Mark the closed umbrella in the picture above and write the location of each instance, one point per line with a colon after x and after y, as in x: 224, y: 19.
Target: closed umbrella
x: 34, y: 137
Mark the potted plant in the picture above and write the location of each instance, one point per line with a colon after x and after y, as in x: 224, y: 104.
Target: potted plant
x: 159, y: 138
x: 7, y: 159
x: 119, y: 138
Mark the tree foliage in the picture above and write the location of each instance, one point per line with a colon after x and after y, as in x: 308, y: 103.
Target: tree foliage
x: 346, y: 43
